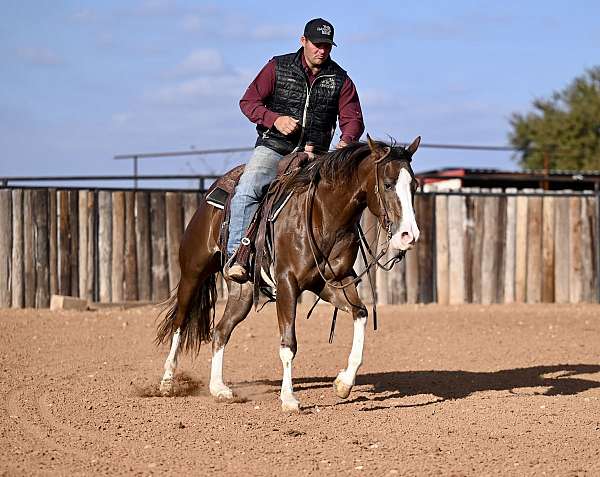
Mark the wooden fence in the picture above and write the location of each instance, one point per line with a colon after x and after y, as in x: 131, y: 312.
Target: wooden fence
x: 115, y: 246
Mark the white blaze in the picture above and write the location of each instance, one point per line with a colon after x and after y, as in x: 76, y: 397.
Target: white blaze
x: 408, y: 232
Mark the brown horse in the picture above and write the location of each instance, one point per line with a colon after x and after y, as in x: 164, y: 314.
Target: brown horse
x: 316, y: 244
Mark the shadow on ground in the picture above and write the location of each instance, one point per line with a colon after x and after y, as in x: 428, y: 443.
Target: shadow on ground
x: 559, y: 380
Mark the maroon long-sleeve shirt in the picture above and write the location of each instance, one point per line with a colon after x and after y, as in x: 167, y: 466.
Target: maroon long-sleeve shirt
x: 253, y: 106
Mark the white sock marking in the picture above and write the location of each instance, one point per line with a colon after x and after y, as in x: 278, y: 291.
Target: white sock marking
x: 217, y: 386
x: 348, y: 375
x: 287, y: 391
x: 171, y: 362
x: 216, y: 368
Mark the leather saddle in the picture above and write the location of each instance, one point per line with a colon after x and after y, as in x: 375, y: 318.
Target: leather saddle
x: 275, y: 196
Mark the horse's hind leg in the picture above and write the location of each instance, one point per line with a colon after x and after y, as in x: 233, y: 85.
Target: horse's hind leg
x: 239, y: 303
x: 347, y: 299
x: 187, y: 287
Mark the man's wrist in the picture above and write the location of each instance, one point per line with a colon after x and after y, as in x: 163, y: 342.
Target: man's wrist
x: 269, y: 119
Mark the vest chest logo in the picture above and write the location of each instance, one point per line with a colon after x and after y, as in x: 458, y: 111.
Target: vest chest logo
x: 327, y: 83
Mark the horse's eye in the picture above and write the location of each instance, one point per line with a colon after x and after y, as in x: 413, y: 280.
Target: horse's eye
x: 388, y: 185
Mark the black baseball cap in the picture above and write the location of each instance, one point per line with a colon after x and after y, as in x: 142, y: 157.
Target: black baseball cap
x: 319, y: 31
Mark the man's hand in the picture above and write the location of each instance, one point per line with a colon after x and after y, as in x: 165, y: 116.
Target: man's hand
x: 286, y: 124
x: 309, y: 149
x: 341, y: 144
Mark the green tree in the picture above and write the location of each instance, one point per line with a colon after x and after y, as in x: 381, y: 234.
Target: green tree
x: 565, y: 128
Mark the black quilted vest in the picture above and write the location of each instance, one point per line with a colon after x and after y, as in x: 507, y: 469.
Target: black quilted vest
x: 315, y: 107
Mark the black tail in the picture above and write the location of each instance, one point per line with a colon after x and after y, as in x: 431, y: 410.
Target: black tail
x: 199, y: 319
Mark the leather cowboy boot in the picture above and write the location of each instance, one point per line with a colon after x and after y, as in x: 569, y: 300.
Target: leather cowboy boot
x: 237, y: 273
x: 236, y: 269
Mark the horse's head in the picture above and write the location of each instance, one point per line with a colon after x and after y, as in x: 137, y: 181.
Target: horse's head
x: 394, y: 185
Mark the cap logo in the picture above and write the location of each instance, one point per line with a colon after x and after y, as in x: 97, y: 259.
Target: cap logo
x: 324, y: 30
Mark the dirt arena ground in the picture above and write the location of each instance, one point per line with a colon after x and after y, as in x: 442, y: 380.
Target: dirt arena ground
x: 469, y: 390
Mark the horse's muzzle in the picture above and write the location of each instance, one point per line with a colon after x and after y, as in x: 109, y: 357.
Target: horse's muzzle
x: 406, y: 236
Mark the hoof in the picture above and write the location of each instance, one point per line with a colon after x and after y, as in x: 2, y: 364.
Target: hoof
x: 166, y: 387
x: 290, y: 406
x: 342, y: 390
x: 221, y: 393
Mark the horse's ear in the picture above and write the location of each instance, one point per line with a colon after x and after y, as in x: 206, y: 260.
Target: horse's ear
x: 372, y: 144
x: 414, y: 146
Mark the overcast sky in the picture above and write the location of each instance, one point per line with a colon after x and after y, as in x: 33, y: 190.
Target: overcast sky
x: 83, y: 81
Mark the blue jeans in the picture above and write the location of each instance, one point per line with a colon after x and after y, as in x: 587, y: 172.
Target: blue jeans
x: 260, y: 171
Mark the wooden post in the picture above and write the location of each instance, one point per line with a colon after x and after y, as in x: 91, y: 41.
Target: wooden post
x: 469, y: 241
x: 441, y: 244
x: 456, y: 234
x: 510, y: 254
x: 477, y: 248
x: 42, y: 256
x: 534, y: 250
x: 53, y: 239
x: 489, y: 256
x: 174, y: 221
x: 74, y: 241
x: 412, y: 276
x: 190, y: 204
x: 548, y: 249
x: 521, y: 250
x: 6, y: 245
x: 131, y: 289
x: 561, y: 251
x: 118, y: 250
x: 587, y: 253
x: 576, y: 266
x: 92, y: 247
x: 594, y: 215
x: 17, y: 300
x: 83, y: 243
x: 28, y: 249
x: 501, y: 247
x: 64, y: 245
x: 425, y: 246
x: 142, y: 244
x: 104, y: 245
x: 160, y: 283
x: 397, y: 282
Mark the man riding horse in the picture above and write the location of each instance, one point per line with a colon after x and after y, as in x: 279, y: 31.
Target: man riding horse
x: 295, y: 102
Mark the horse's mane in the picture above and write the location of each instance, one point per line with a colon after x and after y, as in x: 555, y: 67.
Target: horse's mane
x: 339, y: 165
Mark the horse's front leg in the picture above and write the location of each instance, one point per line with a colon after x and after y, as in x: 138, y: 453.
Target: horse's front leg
x: 347, y: 299
x: 287, y: 296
